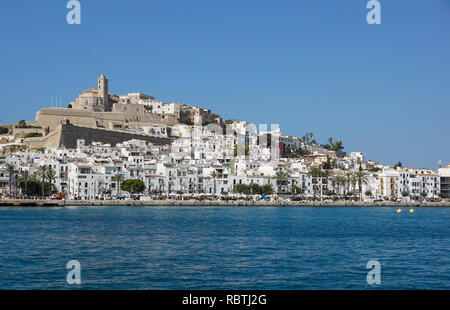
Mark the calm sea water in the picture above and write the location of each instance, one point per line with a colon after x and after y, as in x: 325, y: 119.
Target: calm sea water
x: 224, y: 247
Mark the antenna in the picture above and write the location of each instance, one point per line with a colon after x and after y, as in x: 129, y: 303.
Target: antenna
x: 440, y: 163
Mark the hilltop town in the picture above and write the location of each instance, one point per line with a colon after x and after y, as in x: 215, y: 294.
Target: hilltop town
x: 104, y: 146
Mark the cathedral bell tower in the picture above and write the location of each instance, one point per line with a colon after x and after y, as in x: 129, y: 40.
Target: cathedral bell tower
x: 103, y: 92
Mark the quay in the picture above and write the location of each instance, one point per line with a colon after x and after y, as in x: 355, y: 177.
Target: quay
x: 211, y: 203
x: 31, y: 203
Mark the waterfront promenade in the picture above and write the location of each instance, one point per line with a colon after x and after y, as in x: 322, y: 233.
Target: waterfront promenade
x: 231, y: 203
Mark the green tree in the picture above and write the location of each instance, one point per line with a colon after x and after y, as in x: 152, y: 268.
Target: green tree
x: 324, y: 174
x: 3, y: 130
x: 334, y: 145
x: 280, y: 176
x: 329, y: 193
x: 295, y: 190
x: 255, y: 189
x: 361, y: 178
x: 42, y: 173
x: 51, y: 176
x: 315, y: 173
x: 348, y: 181
x: 398, y: 165
x: 118, y: 178
x: 424, y: 194
x: 22, y: 124
x: 34, y: 187
x: 307, y: 137
x: 133, y: 186
x: 11, y: 172
x: 354, y: 182
x: 329, y: 164
x: 340, y: 182
x: 243, y: 189
x: 25, y: 178
x: 106, y: 191
x: 267, y: 189
x: 214, y: 175
x: 294, y: 151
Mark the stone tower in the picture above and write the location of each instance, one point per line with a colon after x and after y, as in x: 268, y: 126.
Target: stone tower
x: 103, y: 91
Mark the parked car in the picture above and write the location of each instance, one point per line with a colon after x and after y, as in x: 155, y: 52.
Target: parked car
x: 435, y: 199
x: 135, y: 197
x: 58, y: 196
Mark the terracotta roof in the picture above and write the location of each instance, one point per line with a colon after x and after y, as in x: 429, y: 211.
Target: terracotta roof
x: 90, y: 90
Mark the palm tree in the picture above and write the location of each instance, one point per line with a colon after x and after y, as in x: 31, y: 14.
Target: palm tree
x: 118, y: 178
x: 324, y: 174
x: 348, y: 180
x: 361, y: 178
x: 340, y: 181
x: 314, y: 172
x: 42, y: 173
x: 214, y: 175
x: 179, y: 192
x: 51, y: 176
x: 25, y: 178
x: 307, y: 137
x: 11, y: 172
x: 280, y: 176
x: 354, y: 182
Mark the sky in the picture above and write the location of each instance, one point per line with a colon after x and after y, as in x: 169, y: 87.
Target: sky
x: 313, y: 65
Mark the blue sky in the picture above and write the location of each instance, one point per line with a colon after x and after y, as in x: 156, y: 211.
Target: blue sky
x: 311, y: 65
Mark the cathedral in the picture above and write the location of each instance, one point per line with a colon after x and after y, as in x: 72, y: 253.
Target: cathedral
x: 96, y: 100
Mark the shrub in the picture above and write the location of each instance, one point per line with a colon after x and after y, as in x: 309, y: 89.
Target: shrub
x: 328, y: 193
x: 33, y: 135
x: 22, y: 124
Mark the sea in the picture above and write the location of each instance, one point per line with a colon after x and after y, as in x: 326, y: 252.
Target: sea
x: 225, y: 248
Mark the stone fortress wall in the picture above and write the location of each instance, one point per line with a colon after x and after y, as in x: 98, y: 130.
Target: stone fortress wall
x: 125, y: 117
x: 66, y: 135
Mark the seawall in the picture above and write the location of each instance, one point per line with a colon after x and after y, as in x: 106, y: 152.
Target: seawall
x: 93, y: 203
